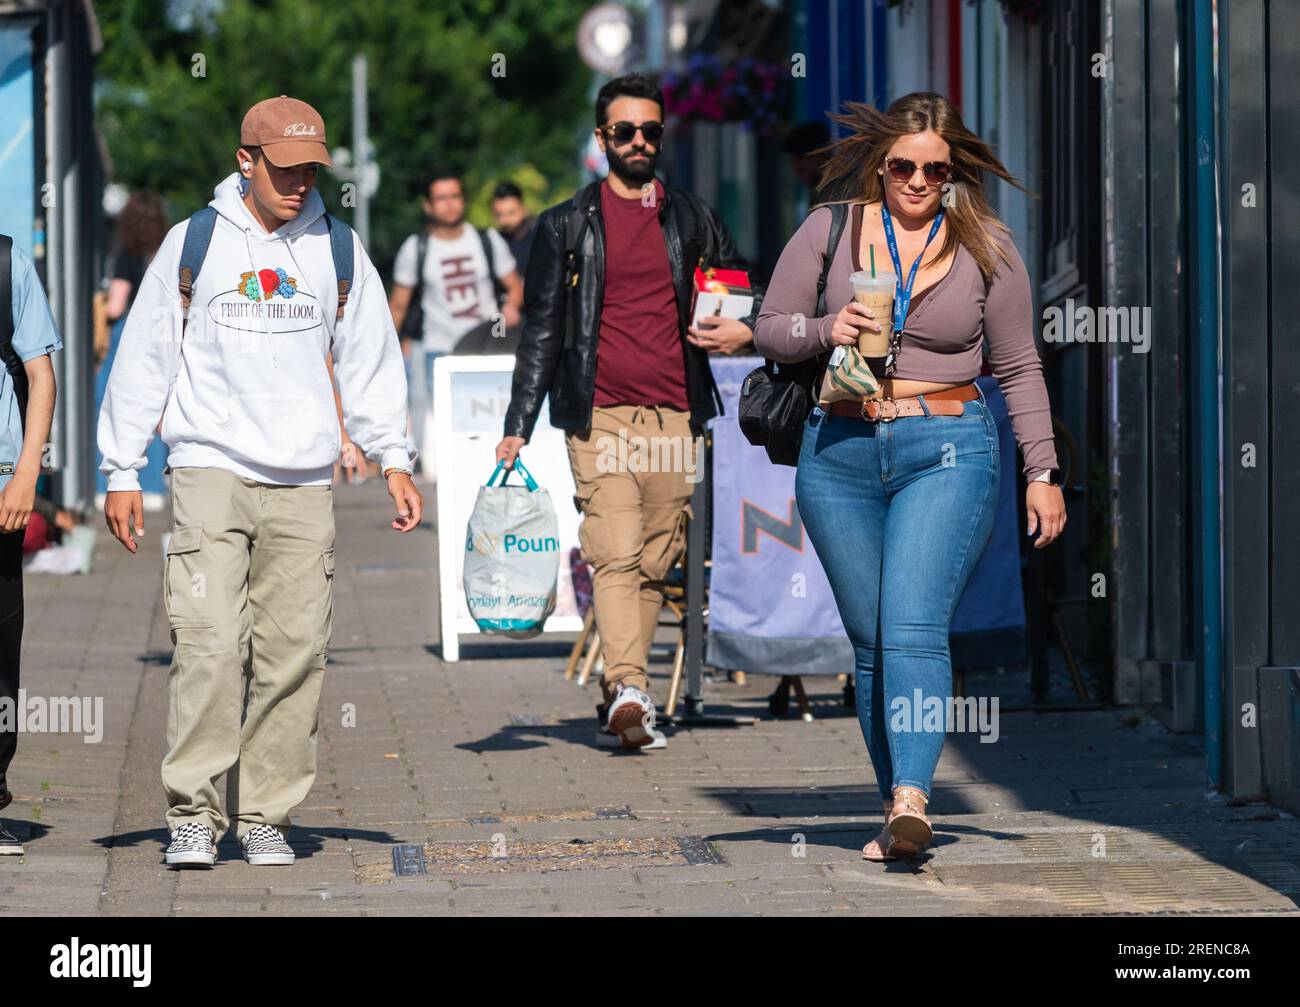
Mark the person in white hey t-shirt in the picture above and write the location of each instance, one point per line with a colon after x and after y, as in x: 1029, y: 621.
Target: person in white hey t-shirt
x: 458, y: 289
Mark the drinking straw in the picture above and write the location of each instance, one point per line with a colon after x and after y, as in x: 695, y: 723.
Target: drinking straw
x: 871, y: 249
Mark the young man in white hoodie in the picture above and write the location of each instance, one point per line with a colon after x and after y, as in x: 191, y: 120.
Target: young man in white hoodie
x: 233, y: 360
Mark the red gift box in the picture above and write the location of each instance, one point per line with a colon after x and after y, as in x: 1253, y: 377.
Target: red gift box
x: 722, y: 281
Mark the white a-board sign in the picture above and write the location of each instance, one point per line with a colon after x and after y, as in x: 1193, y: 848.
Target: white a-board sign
x: 470, y: 398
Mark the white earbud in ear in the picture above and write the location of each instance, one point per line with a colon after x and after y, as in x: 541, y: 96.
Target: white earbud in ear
x: 248, y: 165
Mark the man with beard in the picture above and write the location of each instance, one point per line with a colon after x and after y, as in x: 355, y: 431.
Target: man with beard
x: 514, y: 222
x: 606, y: 335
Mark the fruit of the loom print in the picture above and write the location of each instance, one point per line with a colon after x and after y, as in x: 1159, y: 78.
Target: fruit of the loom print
x: 269, y: 279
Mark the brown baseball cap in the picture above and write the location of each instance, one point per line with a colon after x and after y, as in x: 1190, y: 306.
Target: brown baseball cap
x: 289, y: 132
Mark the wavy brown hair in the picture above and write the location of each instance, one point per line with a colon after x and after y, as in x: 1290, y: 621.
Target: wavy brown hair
x: 142, y: 225
x: 851, y: 173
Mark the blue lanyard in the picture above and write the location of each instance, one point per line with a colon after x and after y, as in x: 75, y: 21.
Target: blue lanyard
x: 903, y: 295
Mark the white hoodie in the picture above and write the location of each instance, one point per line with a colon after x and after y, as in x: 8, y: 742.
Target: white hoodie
x: 247, y: 388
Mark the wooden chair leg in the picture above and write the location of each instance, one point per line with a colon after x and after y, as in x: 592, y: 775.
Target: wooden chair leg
x: 675, y: 684
x: 1080, y: 690
x: 593, y: 652
x: 575, y: 655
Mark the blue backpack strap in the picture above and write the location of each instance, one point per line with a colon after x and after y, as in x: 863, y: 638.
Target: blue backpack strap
x: 198, y: 235
x: 341, y: 250
x: 17, y: 372
x: 6, y: 293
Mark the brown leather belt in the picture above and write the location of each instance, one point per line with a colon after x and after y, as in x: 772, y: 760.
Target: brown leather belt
x: 948, y: 402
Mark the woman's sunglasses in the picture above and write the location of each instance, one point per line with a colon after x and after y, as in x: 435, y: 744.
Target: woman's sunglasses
x: 901, y: 170
x: 622, y: 132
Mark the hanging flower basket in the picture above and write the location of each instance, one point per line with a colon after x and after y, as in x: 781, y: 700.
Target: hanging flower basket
x: 750, y: 92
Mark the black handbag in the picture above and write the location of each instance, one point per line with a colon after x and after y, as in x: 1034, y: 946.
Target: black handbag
x: 775, y: 399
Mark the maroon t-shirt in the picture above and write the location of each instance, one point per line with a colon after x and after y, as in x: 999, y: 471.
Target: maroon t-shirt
x: 639, y: 357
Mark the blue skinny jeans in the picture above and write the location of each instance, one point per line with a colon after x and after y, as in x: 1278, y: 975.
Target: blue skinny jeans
x: 899, y: 513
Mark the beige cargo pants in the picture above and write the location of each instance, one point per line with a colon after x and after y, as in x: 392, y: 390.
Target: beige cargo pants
x: 249, y: 595
x: 633, y: 472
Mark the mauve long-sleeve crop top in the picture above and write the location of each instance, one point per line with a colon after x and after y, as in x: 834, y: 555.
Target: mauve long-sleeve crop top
x: 942, y: 337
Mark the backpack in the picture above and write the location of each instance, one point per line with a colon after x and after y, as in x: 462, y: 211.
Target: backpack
x: 413, y: 321
x: 17, y: 372
x: 775, y: 399
x: 198, y: 235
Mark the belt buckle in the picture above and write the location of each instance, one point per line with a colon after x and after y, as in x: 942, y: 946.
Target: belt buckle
x: 885, y: 416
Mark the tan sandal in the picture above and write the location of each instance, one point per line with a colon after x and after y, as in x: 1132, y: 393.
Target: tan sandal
x: 908, y: 828
x: 877, y: 851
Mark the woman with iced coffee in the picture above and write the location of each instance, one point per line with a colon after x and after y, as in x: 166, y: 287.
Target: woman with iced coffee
x: 898, y: 486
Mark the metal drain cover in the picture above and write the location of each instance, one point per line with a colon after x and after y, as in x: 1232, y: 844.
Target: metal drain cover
x: 560, y: 815
x: 408, y: 859
x: 508, y: 855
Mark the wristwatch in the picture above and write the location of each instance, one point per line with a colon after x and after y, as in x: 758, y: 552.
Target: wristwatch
x: 1050, y: 476
x: 396, y: 468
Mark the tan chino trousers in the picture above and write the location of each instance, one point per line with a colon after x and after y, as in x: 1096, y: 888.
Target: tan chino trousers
x: 634, y: 472
x: 249, y: 595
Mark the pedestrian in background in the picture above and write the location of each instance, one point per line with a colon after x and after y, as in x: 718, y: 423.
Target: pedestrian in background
x: 449, y: 280
x: 27, y: 392
x: 514, y: 222
x: 141, y: 226
x: 607, y: 336
x: 227, y: 342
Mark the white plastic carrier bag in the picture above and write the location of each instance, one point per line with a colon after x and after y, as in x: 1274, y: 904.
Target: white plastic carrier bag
x: 512, y: 556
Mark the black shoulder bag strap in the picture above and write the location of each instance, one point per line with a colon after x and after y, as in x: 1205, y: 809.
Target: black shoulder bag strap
x: 498, y: 288
x: 575, y: 233
x: 839, y: 217
x: 421, y: 254
x: 12, y: 364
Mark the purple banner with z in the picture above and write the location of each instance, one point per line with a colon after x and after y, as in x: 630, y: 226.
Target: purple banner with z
x: 771, y: 610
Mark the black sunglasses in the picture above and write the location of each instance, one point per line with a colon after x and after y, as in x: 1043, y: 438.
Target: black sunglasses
x: 622, y: 132
x: 901, y: 169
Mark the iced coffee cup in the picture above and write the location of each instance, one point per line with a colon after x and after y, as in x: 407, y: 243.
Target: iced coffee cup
x: 877, y: 293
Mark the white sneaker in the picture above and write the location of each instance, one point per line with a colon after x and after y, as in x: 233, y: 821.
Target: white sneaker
x: 193, y: 845
x: 264, y: 846
x: 605, y: 738
x: 631, y: 719
x: 10, y: 845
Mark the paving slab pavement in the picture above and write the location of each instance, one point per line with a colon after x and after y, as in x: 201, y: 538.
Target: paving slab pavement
x: 1099, y: 812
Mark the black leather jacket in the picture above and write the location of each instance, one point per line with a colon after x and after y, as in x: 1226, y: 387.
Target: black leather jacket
x: 562, y: 303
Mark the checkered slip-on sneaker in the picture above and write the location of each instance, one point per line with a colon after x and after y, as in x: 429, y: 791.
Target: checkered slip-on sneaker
x: 193, y: 845
x: 264, y: 846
